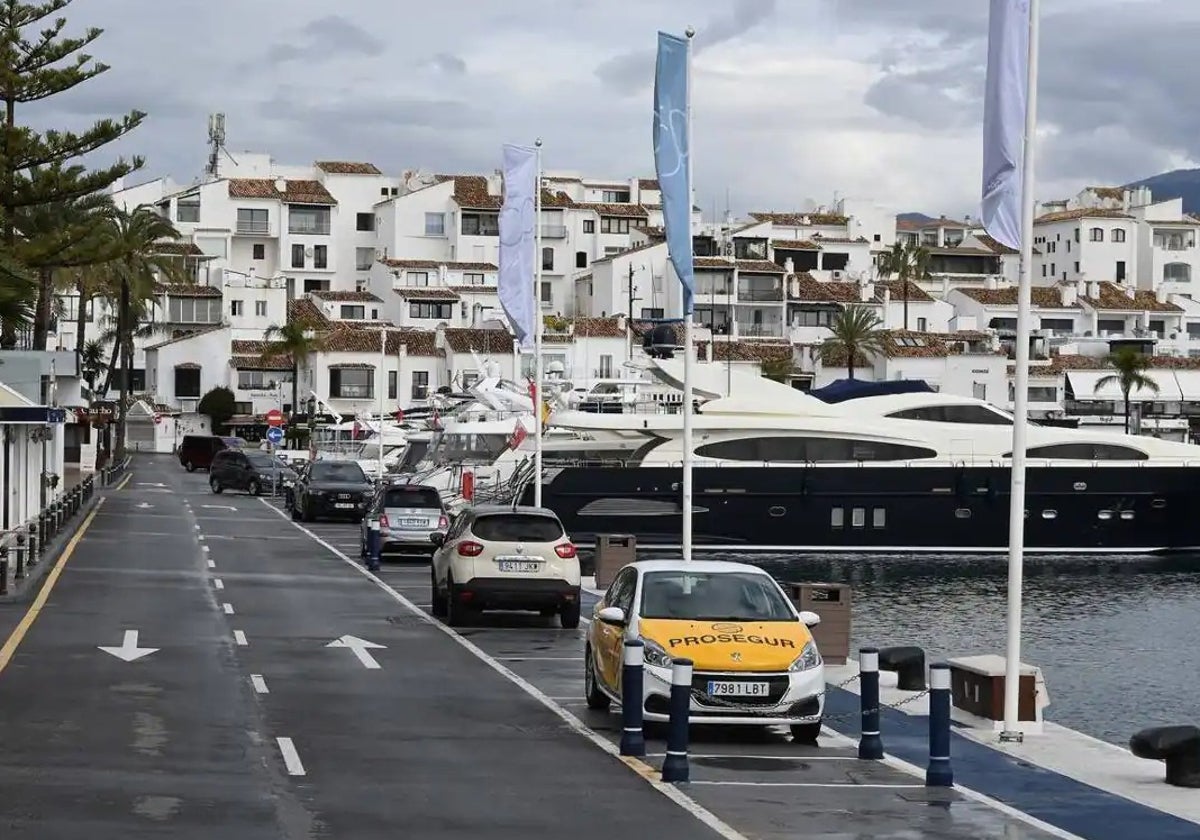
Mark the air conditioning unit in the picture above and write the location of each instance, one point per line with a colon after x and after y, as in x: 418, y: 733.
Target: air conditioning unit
x: 838, y: 274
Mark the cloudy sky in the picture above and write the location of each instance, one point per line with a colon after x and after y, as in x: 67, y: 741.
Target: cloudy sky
x: 793, y: 100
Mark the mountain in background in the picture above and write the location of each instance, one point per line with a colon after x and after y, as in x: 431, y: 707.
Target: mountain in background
x: 1180, y: 183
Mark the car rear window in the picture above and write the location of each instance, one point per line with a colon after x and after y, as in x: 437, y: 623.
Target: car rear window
x: 517, y: 527
x: 337, y: 472
x: 412, y: 497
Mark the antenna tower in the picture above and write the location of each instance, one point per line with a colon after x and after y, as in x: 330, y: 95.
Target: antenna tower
x: 216, y: 143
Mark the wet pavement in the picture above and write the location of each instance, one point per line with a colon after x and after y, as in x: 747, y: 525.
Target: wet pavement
x: 245, y: 721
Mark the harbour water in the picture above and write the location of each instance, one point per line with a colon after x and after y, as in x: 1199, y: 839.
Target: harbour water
x: 1118, y: 638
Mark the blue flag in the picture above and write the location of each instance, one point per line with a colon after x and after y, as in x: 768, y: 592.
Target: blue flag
x: 1005, y: 96
x: 514, y: 285
x: 671, y: 152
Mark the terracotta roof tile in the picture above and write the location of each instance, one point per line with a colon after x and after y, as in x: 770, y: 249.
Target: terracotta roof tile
x: 598, y: 328
x: 304, y: 312
x: 349, y: 340
x: 1043, y: 297
x: 959, y: 250
x: 801, y: 219
x: 1190, y: 221
x: 295, y: 192
x: 464, y: 340
x: 811, y: 290
x: 260, y: 363
x: 749, y: 351
x: 994, y: 246
x: 795, y: 245
x: 648, y: 183
x: 474, y: 289
x: 747, y: 266
x: 183, y: 249
x: 471, y: 193
x: 1081, y: 213
x: 625, y: 210
x: 345, y: 167
x: 1109, y: 193
x: 432, y: 264
x: 1113, y: 298
x: 1064, y: 363
x: 426, y: 293
x: 840, y: 240
x: 187, y: 290
x: 239, y: 347
x: 346, y: 297
x: 896, y: 288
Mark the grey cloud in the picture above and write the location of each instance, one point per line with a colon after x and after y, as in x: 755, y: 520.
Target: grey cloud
x: 631, y: 71
x: 324, y: 37
x: 448, y: 63
x: 356, y: 114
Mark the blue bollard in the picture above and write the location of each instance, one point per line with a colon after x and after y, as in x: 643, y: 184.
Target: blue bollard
x: 870, y: 744
x: 675, y: 764
x: 373, y: 546
x: 633, y: 739
x: 939, y: 773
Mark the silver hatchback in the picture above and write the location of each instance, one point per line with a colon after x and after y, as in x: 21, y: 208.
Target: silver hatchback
x: 408, y: 515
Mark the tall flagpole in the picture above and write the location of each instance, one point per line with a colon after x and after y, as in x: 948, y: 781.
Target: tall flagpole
x: 1016, y: 511
x: 537, y: 330
x: 688, y: 348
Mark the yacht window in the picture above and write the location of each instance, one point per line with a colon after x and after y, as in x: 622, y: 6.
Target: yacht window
x: 1085, y: 452
x: 470, y: 448
x: 837, y: 518
x: 879, y: 518
x: 858, y: 517
x: 962, y: 513
x: 1127, y: 514
x: 803, y: 449
x: 976, y: 414
x: 777, y: 511
x: 1158, y: 504
x: 1049, y: 514
x: 1104, y: 514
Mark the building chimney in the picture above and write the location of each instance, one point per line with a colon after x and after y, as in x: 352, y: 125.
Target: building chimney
x: 621, y: 323
x: 280, y: 185
x: 789, y: 266
x: 708, y: 350
x: 866, y: 291
x: 1093, y: 288
x: 1160, y: 294
x: 989, y: 282
x: 1068, y: 293
x: 1130, y: 292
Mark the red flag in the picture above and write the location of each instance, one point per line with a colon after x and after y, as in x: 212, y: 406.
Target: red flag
x: 517, y: 437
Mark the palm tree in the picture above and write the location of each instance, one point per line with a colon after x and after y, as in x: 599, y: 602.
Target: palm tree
x: 856, y: 331
x: 295, y: 342
x: 91, y: 363
x: 1129, y: 375
x: 908, y: 262
x: 18, y: 291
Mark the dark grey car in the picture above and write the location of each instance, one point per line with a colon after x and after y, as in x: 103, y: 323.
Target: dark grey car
x: 253, y: 471
x: 408, y: 515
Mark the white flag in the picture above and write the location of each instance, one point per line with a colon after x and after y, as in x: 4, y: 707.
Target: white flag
x: 1004, y: 119
x: 514, y: 284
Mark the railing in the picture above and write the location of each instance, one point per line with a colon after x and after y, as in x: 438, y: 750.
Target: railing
x: 554, y: 231
x: 760, y: 330
x: 320, y: 229
x: 23, y: 547
x: 253, y: 227
x: 750, y: 294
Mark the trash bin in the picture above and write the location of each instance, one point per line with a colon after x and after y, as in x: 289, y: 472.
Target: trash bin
x: 831, y: 601
x: 613, y: 551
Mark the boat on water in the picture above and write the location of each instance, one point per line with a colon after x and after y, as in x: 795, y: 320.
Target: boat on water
x: 868, y: 467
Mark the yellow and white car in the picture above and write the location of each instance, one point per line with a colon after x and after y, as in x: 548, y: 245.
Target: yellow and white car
x: 754, y: 660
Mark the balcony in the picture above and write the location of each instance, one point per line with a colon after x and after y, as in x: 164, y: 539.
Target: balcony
x: 752, y: 294
x: 253, y: 227
x: 751, y: 330
x: 554, y: 231
x: 306, y: 229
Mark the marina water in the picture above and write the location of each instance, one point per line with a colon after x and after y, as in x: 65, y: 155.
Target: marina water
x: 1117, y: 637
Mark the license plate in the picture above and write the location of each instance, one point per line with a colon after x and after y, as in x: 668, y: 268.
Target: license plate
x: 413, y: 523
x: 717, y: 688
x: 528, y: 566
x: 346, y: 505
x: 343, y: 495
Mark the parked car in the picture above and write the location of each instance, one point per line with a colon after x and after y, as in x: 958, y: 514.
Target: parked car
x: 409, y: 515
x: 501, y: 557
x: 251, y: 470
x: 196, y: 451
x: 329, y: 489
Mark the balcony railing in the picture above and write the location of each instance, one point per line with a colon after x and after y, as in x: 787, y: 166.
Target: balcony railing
x: 760, y: 330
x: 320, y: 229
x: 554, y: 231
x: 253, y: 227
x: 753, y: 294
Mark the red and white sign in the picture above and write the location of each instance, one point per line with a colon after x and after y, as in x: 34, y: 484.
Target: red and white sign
x: 274, y: 417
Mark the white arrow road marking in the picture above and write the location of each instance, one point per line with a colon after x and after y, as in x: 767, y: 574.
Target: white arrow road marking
x: 143, y: 505
x: 129, y: 650
x: 359, y: 648
x: 219, y: 507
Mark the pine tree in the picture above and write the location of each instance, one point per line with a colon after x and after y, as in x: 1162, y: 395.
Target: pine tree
x: 40, y: 169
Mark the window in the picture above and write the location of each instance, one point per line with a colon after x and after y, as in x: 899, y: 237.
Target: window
x: 517, y: 527
x: 365, y: 221
x: 258, y: 251
x: 547, y: 259
x: 253, y: 221
x: 878, y: 237
x: 922, y: 324
x: 589, y: 225
x: 260, y: 308
x: 837, y: 518
x: 581, y: 259
x: 473, y: 279
x: 1077, y: 267
x: 606, y: 366
x: 352, y: 383
x: 297, y: 256
x: 1120, y: 270
x: 614, y: 196
x: 312, y: 284
x: 652, y: 314
x: 321, y: 256
x: 1085, y: 452
x: 193, y: 310
x: 976, y: 414
x: 308, y: 220
x: 614, y: 224
x: 879, y: 518
x: 393, y: 384
x: 547, y: 296
x: 420, y: 384
x: 750, y: 249
x: 417, y: 278
x: 1096, y: 234
x: 431, y: 309
x: 1076, y: 234
x: 353, y: 312
x: 1043, y: 393
x: 1051, y: 268
x: 962, y: 513
x: 435, y: 224
x: 236, y: 308
x: 1118, y: 235
x: 1177, y: 273
x: 337, y: 471
x: 1174, y: 240
x: 481, y: 224
x: 858, y: 517
x: 364, y: 258
x: 713, y: 596
x: 810, y: 449
x: 187, y: 209
x: 258, y: 380
x: 187, y: 382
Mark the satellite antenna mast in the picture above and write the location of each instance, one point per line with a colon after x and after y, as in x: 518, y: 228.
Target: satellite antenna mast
x: 216, y: 143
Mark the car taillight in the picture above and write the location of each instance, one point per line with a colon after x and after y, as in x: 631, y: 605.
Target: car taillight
x: 443, y: 523
x: 383, y: 520
x: 566, y: 550
x: 467, y: 548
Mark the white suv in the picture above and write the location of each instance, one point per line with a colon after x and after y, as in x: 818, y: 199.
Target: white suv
x: 501, y: 557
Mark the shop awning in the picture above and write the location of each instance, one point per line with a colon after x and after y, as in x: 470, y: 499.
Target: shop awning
x: 1083, y: 385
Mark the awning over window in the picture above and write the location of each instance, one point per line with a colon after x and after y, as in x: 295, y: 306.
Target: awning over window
x: 1083, y: 385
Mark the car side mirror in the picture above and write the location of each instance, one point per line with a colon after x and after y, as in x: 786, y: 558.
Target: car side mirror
x: 437, y: 538
x: 810, y: 619
x: 614, y: 616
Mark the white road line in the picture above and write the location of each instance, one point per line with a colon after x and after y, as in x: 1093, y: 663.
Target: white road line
x: 218, y: 583
x: 808, y: 785
x: 197, y: 527
x: 260, y: 685
x: 240, y: 637
x: 205, y: 548
x: 762, y: 757
x: 212, y: 564
x: 667, y: 789
x: 537, y: 658
x: 228, y: 608
x: 291, y: 758
x: 200, y: 537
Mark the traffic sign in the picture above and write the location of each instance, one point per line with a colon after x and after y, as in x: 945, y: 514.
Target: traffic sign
x: 275, y: 435
x: 274, y: 417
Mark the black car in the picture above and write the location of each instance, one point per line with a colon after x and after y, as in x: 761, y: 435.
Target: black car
x: 251, y: 470
x: 329, y: 489
x: 198, y: 451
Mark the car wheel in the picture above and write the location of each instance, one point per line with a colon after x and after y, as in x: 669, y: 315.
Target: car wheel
x: 254, y: 488
x: 568, y: 615
x: 437, y: 598
x: 456, y: 612
x: 306, y: 512
x: 596, y: 699
x: 806, y: 733
x: 189, y: 466
x: 215, y: 485
x: 291, y: 506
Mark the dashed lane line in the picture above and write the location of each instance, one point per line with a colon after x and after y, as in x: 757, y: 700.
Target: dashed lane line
x: 239, y: 637
x: 291, y: 758
x: 227, y: 608
x: 260, y: 685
